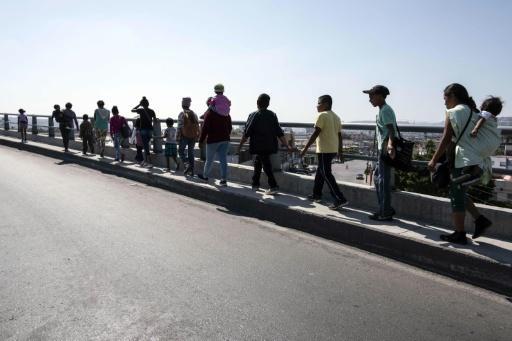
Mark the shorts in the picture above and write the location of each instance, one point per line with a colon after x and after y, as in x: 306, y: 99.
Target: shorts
x: 457, y: 193
x: 171, y: 150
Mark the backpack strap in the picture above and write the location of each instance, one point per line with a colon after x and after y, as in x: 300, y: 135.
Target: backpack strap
x: 465, y: 127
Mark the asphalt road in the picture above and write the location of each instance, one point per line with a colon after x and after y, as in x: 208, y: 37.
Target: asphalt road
x: 90, y: 256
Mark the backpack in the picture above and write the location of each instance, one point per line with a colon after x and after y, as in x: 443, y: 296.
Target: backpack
x: 190, y: 125
x: 58, y: 116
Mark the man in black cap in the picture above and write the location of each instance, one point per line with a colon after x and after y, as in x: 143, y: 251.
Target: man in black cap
x: 385, y: 132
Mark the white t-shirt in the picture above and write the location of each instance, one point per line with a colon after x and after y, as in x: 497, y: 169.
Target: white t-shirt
x: 170, y: 135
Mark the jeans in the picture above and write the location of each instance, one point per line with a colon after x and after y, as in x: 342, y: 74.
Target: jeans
x: 117, y: 146
x: 189, y: 144
x: 146, y: 135
x: 263, y: 161
x: 101, y: 135
x: 139, y: 157
x: 383, y: 187
x: 87, y: 141
x: 65, y: 132
x: 220, y: 148
x: 324, y: 174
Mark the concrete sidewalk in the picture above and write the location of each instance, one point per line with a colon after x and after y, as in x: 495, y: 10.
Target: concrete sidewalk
x: 485, y: 262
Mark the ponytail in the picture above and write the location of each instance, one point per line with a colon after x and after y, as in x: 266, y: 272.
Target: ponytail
x: 472, y: 105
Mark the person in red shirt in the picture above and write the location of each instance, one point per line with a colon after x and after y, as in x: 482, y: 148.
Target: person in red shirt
x: 116, y: 125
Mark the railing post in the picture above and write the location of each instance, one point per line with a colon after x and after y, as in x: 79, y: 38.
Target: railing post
x: 51, y: 128
x: 34, y: 125
x: 6, y: 121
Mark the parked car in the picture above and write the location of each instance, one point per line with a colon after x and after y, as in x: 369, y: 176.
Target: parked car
x: 359, y: 177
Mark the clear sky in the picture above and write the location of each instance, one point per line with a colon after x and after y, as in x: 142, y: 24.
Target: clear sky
x: 83, y: 51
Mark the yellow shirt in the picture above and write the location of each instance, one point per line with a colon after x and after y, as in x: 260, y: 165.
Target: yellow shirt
x: 330, y: 125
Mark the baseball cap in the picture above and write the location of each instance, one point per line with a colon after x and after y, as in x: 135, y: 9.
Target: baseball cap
x: 219, y: 88
x: 21, y: 111
x: 377, y: 90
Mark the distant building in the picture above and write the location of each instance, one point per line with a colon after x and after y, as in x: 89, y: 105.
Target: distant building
x: 505, y: 121
x: 503, y: 189
x: 501, y: 162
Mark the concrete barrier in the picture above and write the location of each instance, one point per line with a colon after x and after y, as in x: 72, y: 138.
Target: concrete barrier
x: 415, y: 206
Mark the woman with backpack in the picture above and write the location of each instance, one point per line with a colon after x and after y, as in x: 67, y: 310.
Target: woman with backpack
x: 188, y: 132
x: 461, y: 117
x: 118, y: 132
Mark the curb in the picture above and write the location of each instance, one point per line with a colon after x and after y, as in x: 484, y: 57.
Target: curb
x: 461, y: 266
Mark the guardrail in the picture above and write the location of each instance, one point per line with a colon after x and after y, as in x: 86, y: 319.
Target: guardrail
x: 35, y: 126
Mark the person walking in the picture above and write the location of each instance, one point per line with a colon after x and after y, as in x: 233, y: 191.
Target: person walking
x: 263, y: 130
x: 187, y: 134
x: 171, y: 150
x: 216, y: 133
x: 116, y: 125
x: 138, y: 142
x: 329, y: 143
x: 22, y: 125
x: 147, y: 117
x: 87, y: 135
x: 66, y: 125
x: 101, y: 119
x: 385, y: 134
x: 461, y: 118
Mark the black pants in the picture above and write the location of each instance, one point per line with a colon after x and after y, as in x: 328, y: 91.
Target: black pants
x: 324, y: 174
x: 65, y: 132
x: 263, y: 161
x: 87, y: 141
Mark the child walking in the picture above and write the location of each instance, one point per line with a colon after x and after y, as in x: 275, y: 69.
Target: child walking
x: 23, y: 125
x: 86, y: 134
x: 171, y: 148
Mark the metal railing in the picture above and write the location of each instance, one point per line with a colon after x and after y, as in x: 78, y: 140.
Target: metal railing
x: 35, y: 127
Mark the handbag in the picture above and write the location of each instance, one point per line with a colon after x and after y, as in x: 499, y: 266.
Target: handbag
x: 403, y: 153
x: 441, y: 176
x: 125, y: 129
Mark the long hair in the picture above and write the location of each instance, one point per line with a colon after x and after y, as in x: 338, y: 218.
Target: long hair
x: 462, y: 95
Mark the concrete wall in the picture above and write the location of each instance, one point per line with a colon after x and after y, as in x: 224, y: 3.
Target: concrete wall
x: 414, y: 206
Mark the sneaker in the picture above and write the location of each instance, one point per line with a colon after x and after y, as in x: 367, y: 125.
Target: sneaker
x: 469, y: 176
x: 314, y: 198
x: 481, y: 224
x: 223, y: 183
x: 455, y: 237
x: 379, y: 217
x: 255, y: 188
x: 202, y: 177
x: 272, y: 191
x: 339, y: 204
x: 101, y: 154
x: 167, y: 170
